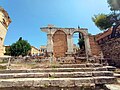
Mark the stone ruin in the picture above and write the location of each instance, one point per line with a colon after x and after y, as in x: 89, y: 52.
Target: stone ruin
x: 60, y: 41
x: 62, y: 76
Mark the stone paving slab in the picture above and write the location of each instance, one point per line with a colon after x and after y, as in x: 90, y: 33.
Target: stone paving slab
x: 110, y: 68
x: 56, y: 74
x: 55, y: 70
x: 46, y: 82
x: 113, y: 86
x: 104, y: 80
x: 76, y: 65
x: 100, y: 69
x: 117, y: 75
x: 68, y: 66
x: 102, y: 73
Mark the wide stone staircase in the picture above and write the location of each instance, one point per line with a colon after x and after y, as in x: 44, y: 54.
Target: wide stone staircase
x: 60, y: 76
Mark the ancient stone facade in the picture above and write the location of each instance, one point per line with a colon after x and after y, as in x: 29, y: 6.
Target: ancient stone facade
x: 95, y: 48
x: 60, y: 41
x: 4, y: 23
x: 110, y: 46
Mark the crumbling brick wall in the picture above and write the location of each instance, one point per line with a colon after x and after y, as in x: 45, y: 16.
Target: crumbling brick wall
x: 59, y: 44
x: 95, y: 48
x: 111, y: 50
x: 110, y: 46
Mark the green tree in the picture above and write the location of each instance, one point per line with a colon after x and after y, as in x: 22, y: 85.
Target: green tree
x: 102, y: 21
x: 114, y: 5
x: 7, y: 51
x: 21, y: 47
x: 81, y: 43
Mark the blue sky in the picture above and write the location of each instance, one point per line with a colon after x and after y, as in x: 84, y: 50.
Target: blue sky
x: 29, y: 15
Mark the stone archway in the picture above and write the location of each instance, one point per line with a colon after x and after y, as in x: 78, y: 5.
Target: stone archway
x: 86, y: 39
x: 59, y: 43
x: 78, y: 44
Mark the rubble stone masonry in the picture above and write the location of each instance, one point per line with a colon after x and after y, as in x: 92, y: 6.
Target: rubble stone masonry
x: 59, y: 44
x: 110, y: 47
x: 95, y: 48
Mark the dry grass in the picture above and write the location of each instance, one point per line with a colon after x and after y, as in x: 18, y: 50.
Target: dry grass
x: 33, y: 65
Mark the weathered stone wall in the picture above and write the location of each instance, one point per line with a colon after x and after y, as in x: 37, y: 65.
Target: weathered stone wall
x: 111, y: 50
x: 95, y: 48
x: 59, y: 44
x: 110, y: 46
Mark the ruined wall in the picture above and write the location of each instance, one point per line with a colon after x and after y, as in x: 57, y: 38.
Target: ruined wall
x: 95, y: 48
x: 59, y: 44
x: 111, y: 50
x: 110, y: 46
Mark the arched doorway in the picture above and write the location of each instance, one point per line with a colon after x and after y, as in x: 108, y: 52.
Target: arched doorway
x: 59, y: 44
x: 79, y: 44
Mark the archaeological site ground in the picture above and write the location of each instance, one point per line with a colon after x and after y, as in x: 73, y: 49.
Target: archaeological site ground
x: 91, y: 64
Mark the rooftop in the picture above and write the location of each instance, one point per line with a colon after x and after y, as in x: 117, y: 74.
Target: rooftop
x: 5, y: 13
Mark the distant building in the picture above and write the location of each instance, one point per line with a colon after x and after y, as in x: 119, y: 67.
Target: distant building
x: 43, y: 49
x: 75, y: 48
x: 34, y: 51
x: 4, y: 23
x: 5, y: 48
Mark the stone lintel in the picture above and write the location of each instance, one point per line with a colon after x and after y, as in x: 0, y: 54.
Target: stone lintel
x: 62, y: 28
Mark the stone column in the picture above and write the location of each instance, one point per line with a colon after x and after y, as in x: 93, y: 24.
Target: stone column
x: 87, y: 46
x: 49, y: 43
x: 69, y: 44
x: 1, y: 47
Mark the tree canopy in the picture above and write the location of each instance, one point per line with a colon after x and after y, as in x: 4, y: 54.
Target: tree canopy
x: 102, y: 21
x: 21, y: 47
x: 81, y: 43
x: 114, y: 5
x: 105, y: 21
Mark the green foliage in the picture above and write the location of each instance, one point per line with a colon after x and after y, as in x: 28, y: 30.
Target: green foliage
x: 81, y: 42
x: 102, y: 21
x: 21, y: 47
x: 89, y: 34
x: 114, y: 5
x: 7, y: 51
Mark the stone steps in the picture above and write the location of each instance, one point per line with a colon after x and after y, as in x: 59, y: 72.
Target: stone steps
x: 59, y: 82
x: 75, y: 65
x: 56, y: 74
x: 117, y: 75
x: 113, y: 86
x: 55, y: 70
x: 66, y: 75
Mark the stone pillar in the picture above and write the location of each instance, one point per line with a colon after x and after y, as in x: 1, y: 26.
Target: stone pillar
x: 87, y: 45
x: 1, y: 47
x: 49, y: 43
x: 69, y: 44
